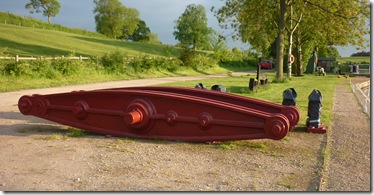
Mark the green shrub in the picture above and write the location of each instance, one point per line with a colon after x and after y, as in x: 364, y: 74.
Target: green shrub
x: 198, y: 61
x: 136, y: 64
x: 114, y: 62
x: 20, y: 68
x: 146, y: 63
x: 201, y: 62
x: 67, y: 67
x: 43, y: 69
x: 172, y: 64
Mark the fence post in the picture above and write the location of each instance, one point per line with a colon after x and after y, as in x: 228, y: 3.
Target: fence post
x: 80, y: 57
x: 17, y: 58
x: 353, y: 86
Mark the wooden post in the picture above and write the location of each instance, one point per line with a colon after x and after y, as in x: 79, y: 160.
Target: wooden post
x: 80, y: 57
x: 17, y: 58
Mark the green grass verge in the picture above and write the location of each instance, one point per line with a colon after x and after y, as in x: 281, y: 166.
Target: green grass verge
x: 303, y: 86
x: 14, y: 83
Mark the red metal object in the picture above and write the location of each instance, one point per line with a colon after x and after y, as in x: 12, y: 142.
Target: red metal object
x: 321, y: 129
x: 154, y: 114
x: 291, y: 112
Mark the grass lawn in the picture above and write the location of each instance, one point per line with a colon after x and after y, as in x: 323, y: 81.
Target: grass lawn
x: 303, y: 86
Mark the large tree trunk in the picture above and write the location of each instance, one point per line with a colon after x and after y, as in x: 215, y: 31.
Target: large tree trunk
x: 280, y: 40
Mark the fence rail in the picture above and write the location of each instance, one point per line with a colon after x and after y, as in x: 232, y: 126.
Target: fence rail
x: 18, y: 58
x: 362, y: 91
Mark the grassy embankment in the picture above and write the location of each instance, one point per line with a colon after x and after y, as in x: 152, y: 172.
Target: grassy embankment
x: 29, y: 41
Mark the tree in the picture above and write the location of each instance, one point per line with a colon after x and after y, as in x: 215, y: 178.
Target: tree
x: 115, y: 20
x: 153, y: 38
x: 257, y: 22
x: 50, y: 8
x: 328, y: 52
x: 131, y: 21
x: 192, y: 27
x: 326, y: 28
x: 142, y: 33
x: 332, y: 22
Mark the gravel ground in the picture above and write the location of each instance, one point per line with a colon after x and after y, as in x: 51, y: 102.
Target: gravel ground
x: 348, y: 165
x: 37, y: 155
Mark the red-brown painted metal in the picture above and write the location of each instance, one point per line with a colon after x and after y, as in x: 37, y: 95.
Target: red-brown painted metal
x: 321, y: 129
x: 155, y: 115
x: 291, y: 112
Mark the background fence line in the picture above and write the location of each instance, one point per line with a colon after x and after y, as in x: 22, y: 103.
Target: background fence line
x: 18, y: 58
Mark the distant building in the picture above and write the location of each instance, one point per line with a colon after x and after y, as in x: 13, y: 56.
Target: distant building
x: 326, y: 63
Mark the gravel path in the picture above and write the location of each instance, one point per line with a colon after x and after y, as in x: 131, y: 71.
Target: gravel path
x: 36, y: 155
x: 347, y: 167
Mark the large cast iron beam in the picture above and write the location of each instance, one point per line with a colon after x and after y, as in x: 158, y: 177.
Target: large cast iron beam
x: 291, y: 112
x: 155, y: 115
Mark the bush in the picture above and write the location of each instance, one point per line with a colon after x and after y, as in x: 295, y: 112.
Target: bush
x: 202, y: 62
x: 186, y: 56
x: 43, y: 69
x: 172, y: 64
x: 17, y: 68
x: 193, y: 60
x: 67, y: 67
x: 146, y: 63
x: 114, y: 62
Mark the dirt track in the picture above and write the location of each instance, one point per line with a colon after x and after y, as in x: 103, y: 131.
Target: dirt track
x: 34, y: 158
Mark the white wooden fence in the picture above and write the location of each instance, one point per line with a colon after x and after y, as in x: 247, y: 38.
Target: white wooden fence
x: 18, y: 58
x: 362, y: 91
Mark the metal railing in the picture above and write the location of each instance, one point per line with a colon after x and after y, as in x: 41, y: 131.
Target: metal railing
x: 362, y: 91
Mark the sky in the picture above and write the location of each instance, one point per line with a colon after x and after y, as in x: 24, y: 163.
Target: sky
x: 159, y: 15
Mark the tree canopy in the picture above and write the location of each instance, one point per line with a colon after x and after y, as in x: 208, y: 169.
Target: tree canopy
x: 50, y: 8
x: 142, y: 33
x: 191, y: 28
x: 115, y: 20
x: 330, y: 22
